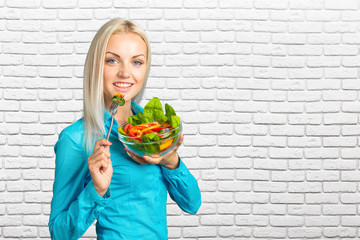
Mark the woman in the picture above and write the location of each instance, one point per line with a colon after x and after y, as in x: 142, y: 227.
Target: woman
x: 99, y: 180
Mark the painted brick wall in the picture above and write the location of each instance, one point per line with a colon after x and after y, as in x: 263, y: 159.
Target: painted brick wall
x: 268, y: 92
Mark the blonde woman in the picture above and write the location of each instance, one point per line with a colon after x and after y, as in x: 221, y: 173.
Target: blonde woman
x: 128, y: 195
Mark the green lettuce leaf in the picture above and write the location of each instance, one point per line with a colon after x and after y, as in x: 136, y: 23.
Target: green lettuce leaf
x: 152, y: 137
x: 172, y: 119
x: 153, y: 109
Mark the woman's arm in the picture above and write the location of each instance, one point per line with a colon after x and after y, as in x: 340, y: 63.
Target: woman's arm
x: 183, y: 188
x: 75, y: 204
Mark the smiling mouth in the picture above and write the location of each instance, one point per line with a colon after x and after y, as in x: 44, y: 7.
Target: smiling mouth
x: 122, y: 85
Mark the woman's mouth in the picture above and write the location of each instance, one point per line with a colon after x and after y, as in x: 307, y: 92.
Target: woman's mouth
x: 122, y: 86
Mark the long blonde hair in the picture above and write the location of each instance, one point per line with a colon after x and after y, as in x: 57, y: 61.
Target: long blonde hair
x: 94, y: 103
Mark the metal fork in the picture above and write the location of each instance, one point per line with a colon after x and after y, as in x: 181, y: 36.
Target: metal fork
x: 113, y: 109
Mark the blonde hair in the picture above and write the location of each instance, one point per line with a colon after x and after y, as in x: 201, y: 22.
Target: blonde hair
x: 93, y: 78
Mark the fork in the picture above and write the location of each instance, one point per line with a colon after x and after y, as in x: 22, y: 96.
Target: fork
x: 113, y: 109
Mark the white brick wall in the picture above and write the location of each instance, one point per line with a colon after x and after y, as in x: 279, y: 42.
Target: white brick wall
x: 268, y: 92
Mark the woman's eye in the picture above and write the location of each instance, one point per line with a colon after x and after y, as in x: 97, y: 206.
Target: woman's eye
x: 111, y: 61
x: 138, y: 63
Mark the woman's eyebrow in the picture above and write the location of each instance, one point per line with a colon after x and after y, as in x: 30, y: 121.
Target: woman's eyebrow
x: 113, y: 54
x: 138, y: 55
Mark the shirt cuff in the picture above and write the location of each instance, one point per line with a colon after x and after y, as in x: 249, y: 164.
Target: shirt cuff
x: 180, y: 171
x: 95, y: 197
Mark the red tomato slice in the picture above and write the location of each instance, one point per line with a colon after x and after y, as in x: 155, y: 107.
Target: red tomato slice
x: 127, y: 128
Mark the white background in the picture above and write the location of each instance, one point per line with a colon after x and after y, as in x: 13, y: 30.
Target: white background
x: 268, y: 92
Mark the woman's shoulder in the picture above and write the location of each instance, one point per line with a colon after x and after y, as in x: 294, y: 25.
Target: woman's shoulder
x: 74, y: 132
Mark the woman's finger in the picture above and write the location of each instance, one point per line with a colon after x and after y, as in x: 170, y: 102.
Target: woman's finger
x: 100, y: 143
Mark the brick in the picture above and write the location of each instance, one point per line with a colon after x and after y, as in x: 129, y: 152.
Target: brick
x: 321, y: 221
x: 327, y: 61
x: 199, y: 231
x: 24, y: 4
x: 287, y: 16
x: 212, y: 152
x: 248, y: 14
x: 267, y: 26
x: 217, y: 197
x: 200, y: 4
x: 215, y: 106
x: 339, y: 164
x: 19, y: 71
x: 9, y: 105
x: 304, y: 233
x: 234, y: 208
x: 322, y: 198
x: 30, y: 140
x: 322, y: 16
x: 329, y: 187
x: 237, y: 25
x: 287, y: 198
x: 322, y: 176
x: 251, y: 220
x: 250, y: 129
x: 339, y: 231
x: 10, y: 197
x: 259, y: 141
x: 9, y: 128
x: 41, y: 220
x: 56, y: 49
x: 269, y: 209
x: 349, y: 153
x: 176, y: 37
x: 337, y: 5
x: 10, y: 175
x: 38, y: 106
x: 306, y: 4
x: 185, y: 221
x: 263, y: 186
x: 200, y: 94
x: 340, y: 50
x: 72, y: 14
x: 304, y: 187
x: 266, y: 49
x: 285, y: 176
x: 246, y: 106
x: 7, y: 59
x: 63, y: 72
x: 6, y: 221
x: 38, y: 197
x: 289, y: 153
x: 255, y: 175
x: 234, y: 48
x: 219, y: 60
x: 254, y: 37
x: 332, y: 209
x: 38, y: 129
x: 234, y: 72
x: 316, y: 153
x: 236, y: 186
x: 339, y: 142
x: 9, y: 151
x: 23, y: 186
x: 290, y: 62
x: 304, y: 210
x: 288, y: 85
x: 222, y: 14
x: 209, y: 220
x: 350, y: 198
x: 234, y: 231
x: 269, y: 232
x: 304, y: 119
x: 288, y: 221
x: 23, y: 209
x: 270, y: 165
x: 234, y: 163
x: 305, y: 50
x: 323, y: 39
x: 17, y: 232
x: 252, y: 152
x: 234, y: 118
x: 341, y: 73
x: 286, y: 108
x: 300, y: 164
x: 10, y: 94
x: 244, y: 197
x: 234, y: 140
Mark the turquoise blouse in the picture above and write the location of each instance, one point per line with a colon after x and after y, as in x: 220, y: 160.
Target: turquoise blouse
x: 134, y: 207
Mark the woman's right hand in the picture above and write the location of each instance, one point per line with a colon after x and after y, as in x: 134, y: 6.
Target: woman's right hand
x: 100, y: 166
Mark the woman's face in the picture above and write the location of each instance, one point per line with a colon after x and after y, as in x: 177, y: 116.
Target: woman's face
x: 125, y: 66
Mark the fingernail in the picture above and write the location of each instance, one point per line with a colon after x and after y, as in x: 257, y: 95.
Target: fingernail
x: 145, y: 158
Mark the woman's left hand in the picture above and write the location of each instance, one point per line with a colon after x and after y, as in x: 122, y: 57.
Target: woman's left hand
x: 169, y: 160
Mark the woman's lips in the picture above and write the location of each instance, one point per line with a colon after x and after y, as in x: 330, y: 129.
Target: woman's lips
x: 122, y: 87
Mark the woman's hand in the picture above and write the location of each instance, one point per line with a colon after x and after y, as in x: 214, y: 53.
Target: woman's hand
x: 100, y: 166
x: 169, y: 160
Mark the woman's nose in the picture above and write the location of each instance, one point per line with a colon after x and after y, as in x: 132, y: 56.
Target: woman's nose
x: 124, y: 71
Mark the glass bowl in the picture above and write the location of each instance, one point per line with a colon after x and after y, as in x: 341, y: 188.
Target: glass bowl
x: 137, y: 146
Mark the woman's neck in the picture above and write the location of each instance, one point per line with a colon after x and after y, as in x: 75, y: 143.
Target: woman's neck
x: 123, y: 112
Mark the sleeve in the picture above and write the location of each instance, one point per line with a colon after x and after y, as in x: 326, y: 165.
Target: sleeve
x: 75, y: 205
x: 183, y: 188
